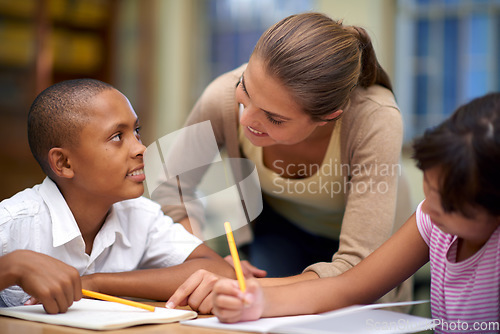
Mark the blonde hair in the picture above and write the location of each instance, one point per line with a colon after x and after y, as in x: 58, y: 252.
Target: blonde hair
x: 320, y: 60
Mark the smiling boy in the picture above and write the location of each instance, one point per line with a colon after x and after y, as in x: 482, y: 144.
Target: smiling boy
x: 88, y: 212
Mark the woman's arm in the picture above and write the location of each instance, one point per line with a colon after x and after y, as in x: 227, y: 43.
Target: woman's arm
x: 371, y: 138
x: 395, y: 261
x: 274, y: 281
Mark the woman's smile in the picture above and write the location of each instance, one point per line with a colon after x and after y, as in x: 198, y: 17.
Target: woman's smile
x: 256, y: 132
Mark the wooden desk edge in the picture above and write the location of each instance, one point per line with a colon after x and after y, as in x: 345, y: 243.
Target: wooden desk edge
x: 15, y: 326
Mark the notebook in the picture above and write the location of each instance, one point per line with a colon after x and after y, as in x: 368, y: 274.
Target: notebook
x: 354, y: 319
x: 98, y: 315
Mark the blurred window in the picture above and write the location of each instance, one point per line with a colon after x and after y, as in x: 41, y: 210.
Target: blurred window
x: 447, y: 52
x: 236, y: 25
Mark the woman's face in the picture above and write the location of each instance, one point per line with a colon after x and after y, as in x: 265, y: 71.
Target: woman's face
x: 270, y: 115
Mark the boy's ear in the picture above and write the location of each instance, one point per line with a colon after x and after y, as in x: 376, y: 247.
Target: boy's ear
x: 59, y: 163
x: 332, y: 116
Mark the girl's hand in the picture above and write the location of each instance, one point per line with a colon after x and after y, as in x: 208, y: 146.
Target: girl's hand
x: 232, y: 305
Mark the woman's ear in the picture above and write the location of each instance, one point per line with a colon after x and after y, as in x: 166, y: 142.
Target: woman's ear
x: 332, y: 116
x: 59, y: 163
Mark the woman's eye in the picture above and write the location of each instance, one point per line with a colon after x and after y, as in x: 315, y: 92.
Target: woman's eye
x: 137, y: 132
x: 243, y: 87
x: 272, y: 120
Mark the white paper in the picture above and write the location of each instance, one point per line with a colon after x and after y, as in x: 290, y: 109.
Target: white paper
x: 98, y: 315
x: 353, y: 319
x: 264, y: 325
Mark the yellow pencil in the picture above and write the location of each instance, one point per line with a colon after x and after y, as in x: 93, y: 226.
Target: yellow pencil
x: 236, y: 258
x: 109, y: 298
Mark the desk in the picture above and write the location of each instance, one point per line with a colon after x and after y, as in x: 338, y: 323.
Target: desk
x: 17, y: 326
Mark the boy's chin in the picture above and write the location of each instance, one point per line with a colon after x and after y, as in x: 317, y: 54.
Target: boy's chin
x: 138, y: 191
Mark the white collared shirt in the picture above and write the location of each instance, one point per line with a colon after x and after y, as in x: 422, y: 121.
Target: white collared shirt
x: 135, y: 235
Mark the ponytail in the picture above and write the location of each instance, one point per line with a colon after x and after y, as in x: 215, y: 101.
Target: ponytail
x: 320, y: 61
x: 371, y: 71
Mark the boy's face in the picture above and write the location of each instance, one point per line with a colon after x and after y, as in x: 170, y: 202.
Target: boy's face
x: 108, y: 159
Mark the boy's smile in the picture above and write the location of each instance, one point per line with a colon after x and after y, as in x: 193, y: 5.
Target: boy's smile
x: 108, y: 161
x: 137, y: 175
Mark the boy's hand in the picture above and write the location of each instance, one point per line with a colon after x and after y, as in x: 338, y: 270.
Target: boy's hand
x: 249, y: 270
x: 90, y: 282
x: 49, y: 281
x: 232, y: 305
x: 196, y: 292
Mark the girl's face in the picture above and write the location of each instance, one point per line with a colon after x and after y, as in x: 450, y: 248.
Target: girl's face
x: 269, y: 113
x: 475, y: 230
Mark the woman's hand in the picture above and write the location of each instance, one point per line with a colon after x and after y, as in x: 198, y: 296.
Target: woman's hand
x: 232, y: 305
x: 249, y: 270
x: 196, y: 292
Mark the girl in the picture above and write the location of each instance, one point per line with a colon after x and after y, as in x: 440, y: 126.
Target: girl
x: 456, y: 228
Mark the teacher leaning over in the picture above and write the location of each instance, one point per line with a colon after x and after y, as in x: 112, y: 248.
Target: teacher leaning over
x: 316, y: 113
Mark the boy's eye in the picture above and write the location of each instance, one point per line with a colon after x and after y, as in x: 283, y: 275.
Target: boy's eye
x: 117, y: 137
x: 137, y: 132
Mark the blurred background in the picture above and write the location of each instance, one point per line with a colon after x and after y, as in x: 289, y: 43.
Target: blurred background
x: 162, y: 53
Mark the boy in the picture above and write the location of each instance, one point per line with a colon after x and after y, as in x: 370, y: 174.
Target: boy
x: 88, y: 212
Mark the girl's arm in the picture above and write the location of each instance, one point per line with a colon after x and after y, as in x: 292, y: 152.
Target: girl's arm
x: 395, y: 261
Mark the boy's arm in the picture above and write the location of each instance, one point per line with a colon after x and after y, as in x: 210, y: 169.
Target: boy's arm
x: 198, y: 287
x: 161, y: 283
x: 392, y: 263
x: 51, y: 282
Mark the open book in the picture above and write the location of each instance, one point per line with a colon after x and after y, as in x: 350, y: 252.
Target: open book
x: 98, y: 315
x: 354, y: 319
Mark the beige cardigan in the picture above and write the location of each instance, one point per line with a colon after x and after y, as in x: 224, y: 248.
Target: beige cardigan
x: 371, y: 133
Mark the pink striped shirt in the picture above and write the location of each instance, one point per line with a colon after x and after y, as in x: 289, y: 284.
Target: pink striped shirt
x: 465, y: 295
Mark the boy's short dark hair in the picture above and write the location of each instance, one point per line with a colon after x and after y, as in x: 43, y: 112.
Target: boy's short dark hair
x: 467, y: 149
x: 58, y: 115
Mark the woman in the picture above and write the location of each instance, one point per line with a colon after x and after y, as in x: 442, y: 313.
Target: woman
x: 315, y: 112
